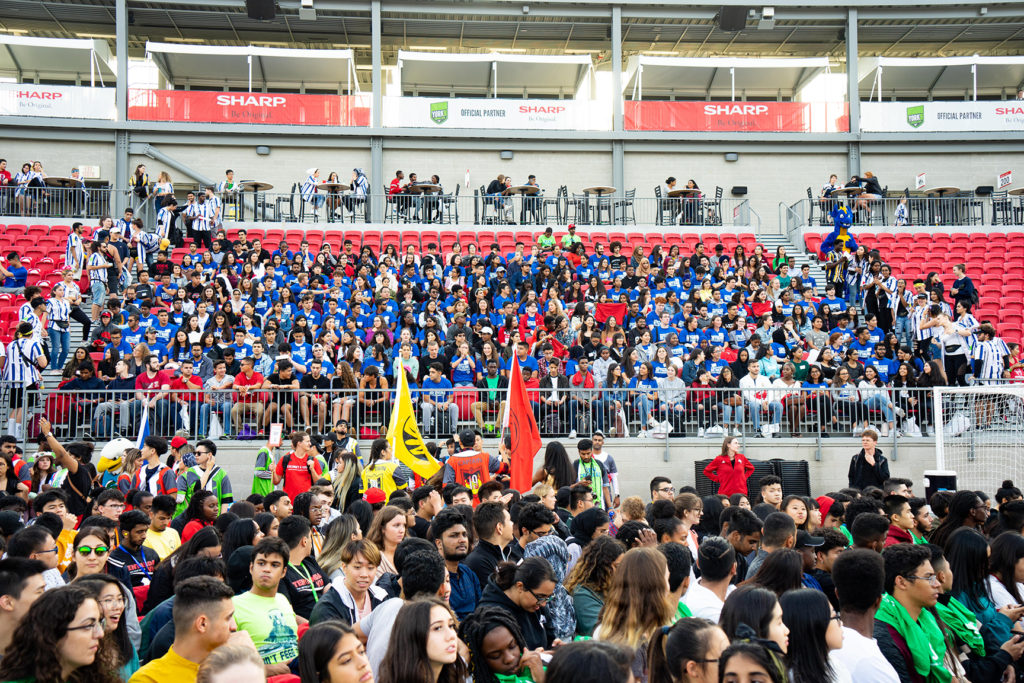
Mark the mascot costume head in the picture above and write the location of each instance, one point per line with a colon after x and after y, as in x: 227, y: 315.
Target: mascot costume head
x: 840, y: 238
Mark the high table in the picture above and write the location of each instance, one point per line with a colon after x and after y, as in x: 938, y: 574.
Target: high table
x: 1019, y: 211
x: 948, y: 207
x: 64, y: 197
x: 430, y: 203
x: 254, y: 186
x: 691, y: 208
x: 526, y: 191
x: 333, y: 190
x: 601, y: 191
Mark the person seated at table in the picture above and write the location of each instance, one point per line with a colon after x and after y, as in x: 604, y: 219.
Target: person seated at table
x: 308, y: 190
x: 333, y: 196
x: 413, y: 198
x: 872, y: 190
x: 360, y: 190
x: 824, y: 199
x: 495, y: 189
x: 78, y: 196
x: 691, y: 205
x: 531, y: 203
x: 435, y: 207
x: 228, y: 185
x: 671, y: 203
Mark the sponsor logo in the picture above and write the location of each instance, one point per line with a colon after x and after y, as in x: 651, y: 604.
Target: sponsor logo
x: 537, y: 109
x: 915, y: 116
x: 1005, y: 111
x: 439, y: 112
x: 251, y: 100
x: 734, y: 109
x: 37, y: 95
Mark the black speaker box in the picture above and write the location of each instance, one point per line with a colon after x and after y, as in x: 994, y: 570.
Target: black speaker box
x: 732, y: 18
x: 260, y: 10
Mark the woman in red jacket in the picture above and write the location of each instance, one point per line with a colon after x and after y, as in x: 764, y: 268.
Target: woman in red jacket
x: 730, y: 469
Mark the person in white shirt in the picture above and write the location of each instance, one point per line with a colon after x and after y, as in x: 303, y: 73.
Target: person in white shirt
x: 213, y: 210
x: 74, y: 253
x: 716, y: 559
x: 859, y: 577
x: 754, y: 388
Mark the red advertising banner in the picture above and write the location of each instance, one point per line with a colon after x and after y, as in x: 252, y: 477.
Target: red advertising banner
x: 764, y: 117
x: 234, y: 107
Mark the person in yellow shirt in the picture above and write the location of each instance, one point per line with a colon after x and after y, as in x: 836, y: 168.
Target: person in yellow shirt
x: 161, y: 537
x: 204, y: 619
x: 56, y: 501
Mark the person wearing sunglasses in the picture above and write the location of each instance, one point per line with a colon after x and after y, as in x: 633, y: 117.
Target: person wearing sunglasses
x: 62, y: 640
x: 91, y: 549
x: 524, y: 591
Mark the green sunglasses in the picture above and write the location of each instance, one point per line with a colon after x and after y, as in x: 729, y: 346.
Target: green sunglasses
x: 99, y: 550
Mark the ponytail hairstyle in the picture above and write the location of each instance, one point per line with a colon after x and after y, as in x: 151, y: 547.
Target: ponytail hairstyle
x: 531, y: 572
x: 672, y: 648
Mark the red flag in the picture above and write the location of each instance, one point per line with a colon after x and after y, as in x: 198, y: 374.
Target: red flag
x: 522, y: 427
x: 603, y: 311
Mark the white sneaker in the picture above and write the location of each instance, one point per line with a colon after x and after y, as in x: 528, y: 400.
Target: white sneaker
x: 737, y: 432
x: 875, y: 429
x: 774, y: 429
x: 858, y: 430
x: 885, y: 430
x: 572, y: 434
x: 766, y: 431
x: 652, y: 423
x: 901, y: 412
x: 642, y: 434
x: 700, y: 433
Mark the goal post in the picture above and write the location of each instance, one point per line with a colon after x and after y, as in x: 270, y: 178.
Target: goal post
x: 980, y: 434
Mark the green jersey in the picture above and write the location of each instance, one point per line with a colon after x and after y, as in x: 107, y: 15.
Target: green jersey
x: 263, y: 477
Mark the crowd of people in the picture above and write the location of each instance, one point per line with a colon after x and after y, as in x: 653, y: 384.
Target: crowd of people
x: 343, y: 567
x: 226, y: 336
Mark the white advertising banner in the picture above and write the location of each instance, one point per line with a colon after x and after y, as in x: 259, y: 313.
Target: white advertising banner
x: 944, y: 117
x: 493, y: 114
x: 59, y: 101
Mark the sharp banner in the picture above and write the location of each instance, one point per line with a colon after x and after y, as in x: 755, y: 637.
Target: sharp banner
x: 762, y: 117
x: 492, y: 114
x: 942, y: 117
x: 56, y: 101
x: 208, y: 106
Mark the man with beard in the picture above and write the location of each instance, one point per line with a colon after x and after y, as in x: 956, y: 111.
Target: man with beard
x: 451, y: 536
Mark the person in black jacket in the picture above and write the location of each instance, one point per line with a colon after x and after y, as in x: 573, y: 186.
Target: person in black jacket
x: 523, y: 591
x: 869, y: 467
x: 493, y: 527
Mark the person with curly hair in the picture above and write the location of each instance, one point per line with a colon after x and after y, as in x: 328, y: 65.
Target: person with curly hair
x: 590, y: 579
x: 497, y: 649
x: 61, y: 641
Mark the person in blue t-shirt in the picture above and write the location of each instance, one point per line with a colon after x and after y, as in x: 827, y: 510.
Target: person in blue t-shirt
x: 886, y: 367
x: 862, y: 344
x: 527, y: 363
x: 436, y: 398
x: 14, y: 274
x: 241, y: 349
x: 805, y: 276
x: 464, y: 367
x: 117, y: 342
x: 834, y: 303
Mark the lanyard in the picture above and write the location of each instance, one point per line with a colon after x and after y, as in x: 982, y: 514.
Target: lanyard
x: 308, y: 575
x: 141, y: 564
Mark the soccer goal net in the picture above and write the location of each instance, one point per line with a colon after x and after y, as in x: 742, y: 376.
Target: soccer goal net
x: 981, y: 434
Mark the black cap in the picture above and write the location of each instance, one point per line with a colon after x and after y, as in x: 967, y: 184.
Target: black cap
x: 805, y: 540
x: 467, y: 437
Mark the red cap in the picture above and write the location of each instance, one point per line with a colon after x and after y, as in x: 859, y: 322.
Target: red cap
x: 825, y: 504
x: 178, y: 442
x: 374, y: 496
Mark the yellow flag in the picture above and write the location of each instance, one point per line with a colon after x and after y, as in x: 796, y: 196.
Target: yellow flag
x: 404, y: 434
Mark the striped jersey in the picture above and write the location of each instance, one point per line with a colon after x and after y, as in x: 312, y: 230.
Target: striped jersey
x: 918, y: 315
x: 969, y: 322
x: 213, y: 212
x: 57, y: 310
x: 100, y: 274
x: 163, y: 222
x: 308, y: 188
x: 21, y: 368
x: 202, y: 212
x: 74, y: 253
x: 991, y: 354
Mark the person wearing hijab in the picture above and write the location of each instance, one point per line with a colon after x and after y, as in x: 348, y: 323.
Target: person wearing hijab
x: 586, y: 526
x: 360, y: 189
x: 556, y: 552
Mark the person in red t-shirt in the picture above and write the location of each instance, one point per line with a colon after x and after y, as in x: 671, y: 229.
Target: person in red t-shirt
x: 188, y: 394
x: 299, y: 469
x: 582, y: 379
x: 248, y: 399
x: 730, y: 469
x: 151, y: 390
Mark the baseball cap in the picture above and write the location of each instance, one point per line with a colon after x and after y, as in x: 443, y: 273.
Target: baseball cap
x: 467, y: 437
x: 107, y: 314
x: 486, y: 330
x: 374, y: 496
x: 178, y: 442
x: 805, y: 540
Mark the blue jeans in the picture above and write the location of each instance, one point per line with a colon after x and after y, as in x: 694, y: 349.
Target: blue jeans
x: 731, y: 414
x: 198, y: 417
x: 644, y: 407
x: 774, y: 413
x: 603, y: 408
x: 877, y: 402
x: 59, y: 339
x: 902, y: 330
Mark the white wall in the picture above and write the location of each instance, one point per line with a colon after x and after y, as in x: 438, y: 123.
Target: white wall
x: 58, y: 158
x: 964, y: 170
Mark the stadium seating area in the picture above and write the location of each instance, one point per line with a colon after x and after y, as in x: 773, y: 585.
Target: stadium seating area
x: 995, y: 262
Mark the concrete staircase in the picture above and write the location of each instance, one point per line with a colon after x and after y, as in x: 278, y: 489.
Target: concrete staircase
x: 799, y: 254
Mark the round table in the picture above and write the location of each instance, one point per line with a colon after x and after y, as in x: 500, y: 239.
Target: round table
x: 334, y: 187
x: 941, y: 191
x: 423, y: 188
x: 254, y: 186
x: 687, y: 194
x: 528, y: 190
x: 599, y: 190
x: 59, y: 181
x: 684, y: 192
x: 848, y: 191
x: 1016, y: 192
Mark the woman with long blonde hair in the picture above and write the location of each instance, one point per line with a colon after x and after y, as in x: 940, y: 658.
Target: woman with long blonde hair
x: 636, y: 605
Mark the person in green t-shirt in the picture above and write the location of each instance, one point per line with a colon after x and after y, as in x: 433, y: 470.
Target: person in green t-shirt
x: 546, y: 242
x: 497, y: 649
x: 263, y: 472
x: 205, y: 475
x: 264, y: 613
x: 801, y: 367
